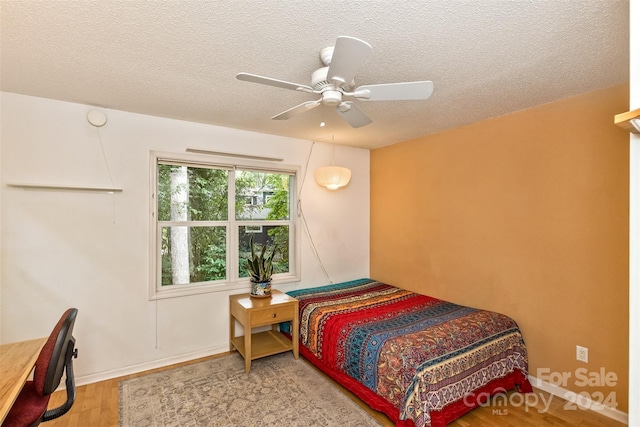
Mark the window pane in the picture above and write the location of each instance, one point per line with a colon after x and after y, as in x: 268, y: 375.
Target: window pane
x: 193, y: 254
x: 262, y: 195
x: 277, y: 235
x: 192, y: 194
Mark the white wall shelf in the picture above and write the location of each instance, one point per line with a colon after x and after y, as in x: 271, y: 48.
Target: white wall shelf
x: 65, y: 187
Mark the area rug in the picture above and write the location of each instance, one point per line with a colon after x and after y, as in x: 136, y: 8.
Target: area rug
x: 278, y: 391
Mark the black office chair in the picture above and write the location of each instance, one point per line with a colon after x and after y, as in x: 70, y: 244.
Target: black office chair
x: 30, y: 408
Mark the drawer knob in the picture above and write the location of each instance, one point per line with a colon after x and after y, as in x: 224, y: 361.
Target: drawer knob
x: 274, y: 315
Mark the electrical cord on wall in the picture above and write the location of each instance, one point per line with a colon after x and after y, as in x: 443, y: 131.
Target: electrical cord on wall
x: 106, y: 164
x: 304, y: 220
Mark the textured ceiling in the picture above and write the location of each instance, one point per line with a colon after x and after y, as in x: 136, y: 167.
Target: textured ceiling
x: 179, y: 59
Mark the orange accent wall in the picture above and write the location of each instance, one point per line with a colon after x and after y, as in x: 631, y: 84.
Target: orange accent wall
x: 525, y: 214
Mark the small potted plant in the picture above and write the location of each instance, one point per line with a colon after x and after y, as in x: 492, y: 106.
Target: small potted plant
x: 260, y: 268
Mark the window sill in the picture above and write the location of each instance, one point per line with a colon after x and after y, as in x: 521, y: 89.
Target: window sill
x: 188, y: 290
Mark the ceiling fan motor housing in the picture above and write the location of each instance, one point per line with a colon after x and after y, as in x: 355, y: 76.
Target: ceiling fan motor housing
x: 326, y: 54
x: 319, y: 81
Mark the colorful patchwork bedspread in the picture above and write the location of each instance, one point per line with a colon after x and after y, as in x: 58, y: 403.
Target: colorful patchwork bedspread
x: 417, y: 352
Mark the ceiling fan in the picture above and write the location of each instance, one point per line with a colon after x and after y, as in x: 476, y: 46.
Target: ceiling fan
x: 335, y: 81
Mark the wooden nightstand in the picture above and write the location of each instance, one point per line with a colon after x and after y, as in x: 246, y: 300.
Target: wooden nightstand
x: 254, y: 312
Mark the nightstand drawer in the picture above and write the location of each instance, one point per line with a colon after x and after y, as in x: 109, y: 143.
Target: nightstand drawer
x: 273, y: 315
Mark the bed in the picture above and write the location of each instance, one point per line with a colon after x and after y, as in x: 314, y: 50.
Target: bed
x: 420, y: 360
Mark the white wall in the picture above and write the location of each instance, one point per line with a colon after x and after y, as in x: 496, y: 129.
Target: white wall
x: 634, y: 226
x: 91, y: 250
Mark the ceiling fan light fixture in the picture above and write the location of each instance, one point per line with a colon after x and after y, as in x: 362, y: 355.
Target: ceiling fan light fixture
x: 332, y: 177
x: 331, y: 97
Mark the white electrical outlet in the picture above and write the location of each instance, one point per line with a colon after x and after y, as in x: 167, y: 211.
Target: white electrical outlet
x: 582, y: 354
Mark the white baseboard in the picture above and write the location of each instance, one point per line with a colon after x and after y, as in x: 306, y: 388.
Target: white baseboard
x: 580, y: 400
x: 134, y: 369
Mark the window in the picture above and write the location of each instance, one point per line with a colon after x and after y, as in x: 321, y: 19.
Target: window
x: 204, y: 215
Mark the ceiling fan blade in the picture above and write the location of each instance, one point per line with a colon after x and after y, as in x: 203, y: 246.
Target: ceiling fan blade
x: 254, y: 78
x: 395, y: 91
x: 349, y: 54
x: 352, y: 114
x: 305, y: 106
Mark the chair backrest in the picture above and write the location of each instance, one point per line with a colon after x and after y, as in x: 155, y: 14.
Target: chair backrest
x: 50, y: 363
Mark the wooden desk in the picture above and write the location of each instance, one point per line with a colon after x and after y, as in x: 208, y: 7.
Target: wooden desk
x: 16, y: 363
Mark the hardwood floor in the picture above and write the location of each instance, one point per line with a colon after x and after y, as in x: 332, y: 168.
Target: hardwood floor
x: 97, y: 406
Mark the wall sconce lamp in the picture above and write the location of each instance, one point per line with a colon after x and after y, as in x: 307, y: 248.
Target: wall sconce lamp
x: 629, y: 121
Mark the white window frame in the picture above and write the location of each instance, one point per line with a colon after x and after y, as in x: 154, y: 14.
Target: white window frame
x: 232, y: 282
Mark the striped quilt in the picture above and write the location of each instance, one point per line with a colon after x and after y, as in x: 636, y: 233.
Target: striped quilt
x: 418, y: 353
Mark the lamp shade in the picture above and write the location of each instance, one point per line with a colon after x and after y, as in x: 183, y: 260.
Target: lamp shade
x: 332, y: 177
